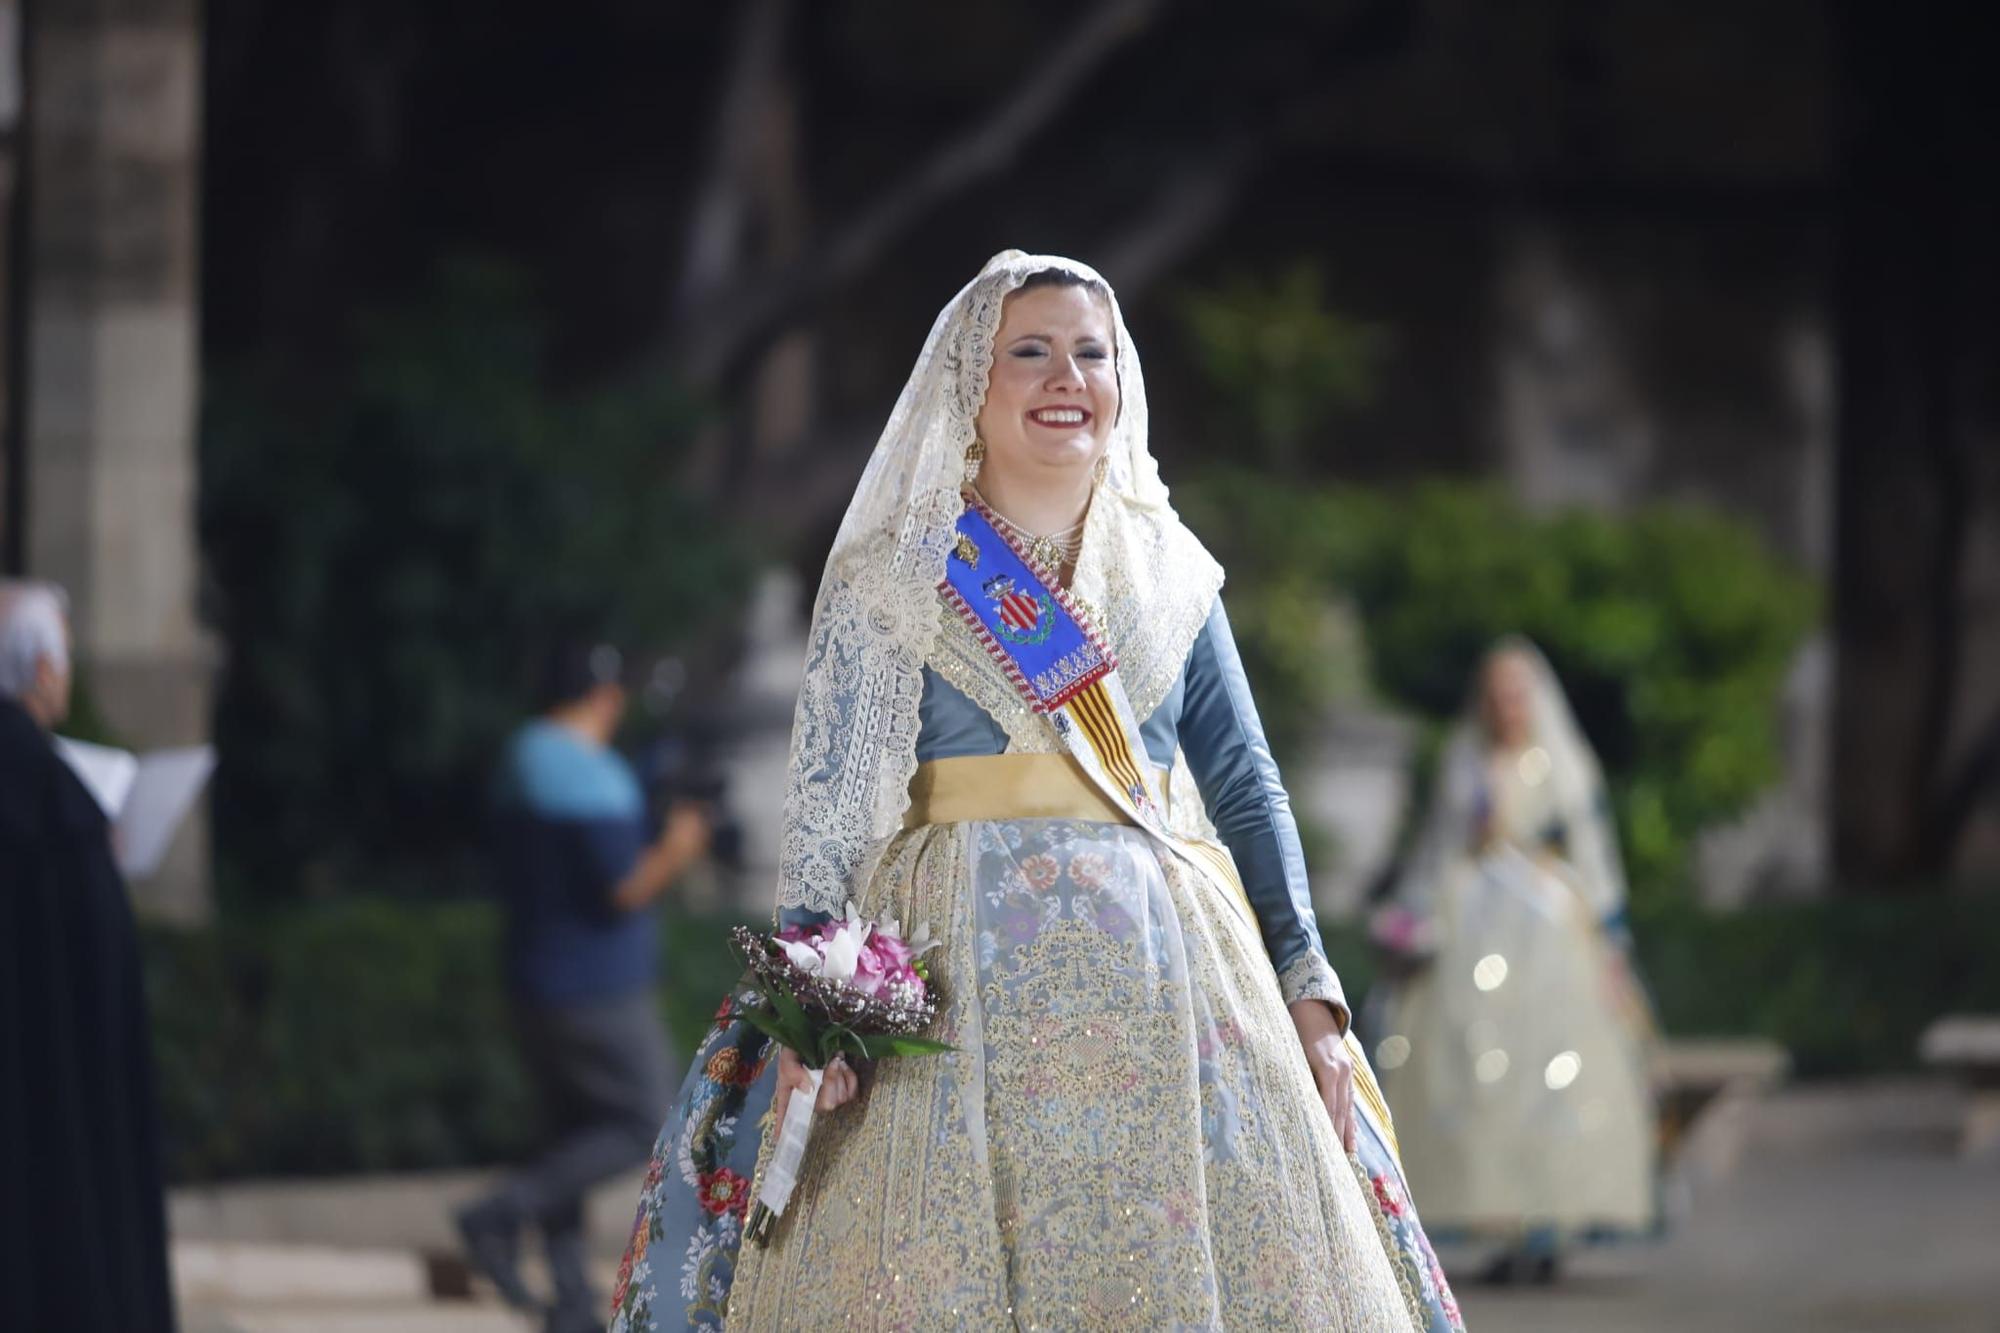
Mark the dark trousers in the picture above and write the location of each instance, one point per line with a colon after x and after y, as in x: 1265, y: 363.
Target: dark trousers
x: 605, y: 1071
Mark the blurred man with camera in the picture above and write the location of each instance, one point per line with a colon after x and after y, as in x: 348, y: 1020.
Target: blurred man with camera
x: 579, y: 878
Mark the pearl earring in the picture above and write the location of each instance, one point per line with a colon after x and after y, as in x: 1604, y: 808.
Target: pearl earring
x: 975, y: 454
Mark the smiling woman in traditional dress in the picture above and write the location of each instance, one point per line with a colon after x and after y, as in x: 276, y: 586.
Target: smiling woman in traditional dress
x: 1024, y: 724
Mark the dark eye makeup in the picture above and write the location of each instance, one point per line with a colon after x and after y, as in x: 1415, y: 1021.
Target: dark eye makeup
x: 1039, y: 347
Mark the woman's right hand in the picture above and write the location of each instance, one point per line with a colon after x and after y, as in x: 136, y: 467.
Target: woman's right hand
x: 837, y: 1088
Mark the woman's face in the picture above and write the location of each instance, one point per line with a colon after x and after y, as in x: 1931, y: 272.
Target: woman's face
x: 1507, y: 700
x: 1052, y: 395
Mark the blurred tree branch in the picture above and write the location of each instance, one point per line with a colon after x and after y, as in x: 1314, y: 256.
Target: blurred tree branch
x: 715, y: 230
x: 711, y: 337
x: 814, y: 477
x: 1188, y: 207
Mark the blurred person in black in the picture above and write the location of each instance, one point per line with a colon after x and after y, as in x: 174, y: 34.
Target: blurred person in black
x: 83, y: 1239
x: 579, y: 880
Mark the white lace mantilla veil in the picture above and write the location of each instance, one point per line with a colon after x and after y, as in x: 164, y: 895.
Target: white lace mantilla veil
x: 1574, y: 775
x: 878, y: 619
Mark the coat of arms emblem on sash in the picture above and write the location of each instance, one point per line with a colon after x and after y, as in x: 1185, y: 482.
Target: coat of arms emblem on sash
x: 1024, y: 617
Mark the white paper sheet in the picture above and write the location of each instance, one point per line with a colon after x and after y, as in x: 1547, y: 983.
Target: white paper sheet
x: 107, y: 774
x: 144, y: 797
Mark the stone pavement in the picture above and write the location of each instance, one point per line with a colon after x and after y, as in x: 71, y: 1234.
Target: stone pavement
x: 355, y: 1255
x: 252, y: 1287
x: 1838, y: 1209
x: 1848, y: 1212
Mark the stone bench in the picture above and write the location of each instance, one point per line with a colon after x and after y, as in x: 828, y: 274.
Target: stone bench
x: 1708, y: 1087
x: 1691, y: 1072
x: 1967, y: 1046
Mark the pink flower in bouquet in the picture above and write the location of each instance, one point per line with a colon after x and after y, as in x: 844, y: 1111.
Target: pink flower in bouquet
x: 894, y: 950
x: 804, y: 945
x: 871, y: 967
x: 807, y: 946
x: 871, y: 960
x: 889, y: 966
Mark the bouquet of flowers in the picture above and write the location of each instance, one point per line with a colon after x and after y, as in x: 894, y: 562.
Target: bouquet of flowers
x: 850, y: 987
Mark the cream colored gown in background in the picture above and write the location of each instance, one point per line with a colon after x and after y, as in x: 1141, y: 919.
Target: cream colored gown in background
x: 1515, y: 1062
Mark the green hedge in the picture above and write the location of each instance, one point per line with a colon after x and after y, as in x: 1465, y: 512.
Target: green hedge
x: 391, y: 540
x: 365, y: 1035
x: 372, y: 1035
x: 1671, y: 628
x: 1846, y: 985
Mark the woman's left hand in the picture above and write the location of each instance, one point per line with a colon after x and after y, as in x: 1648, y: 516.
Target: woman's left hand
x: 1332, y: 1068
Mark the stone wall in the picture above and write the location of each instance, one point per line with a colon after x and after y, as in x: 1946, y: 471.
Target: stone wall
x: 114, y: 128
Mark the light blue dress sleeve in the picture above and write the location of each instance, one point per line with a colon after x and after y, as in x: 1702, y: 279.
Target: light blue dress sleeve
x: 1232, y: 766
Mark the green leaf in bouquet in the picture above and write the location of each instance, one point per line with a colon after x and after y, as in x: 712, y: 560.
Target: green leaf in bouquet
x: 785, y: 1022
x: 791, y: 1011
x: 884, y: 1044
x: 839, y: 1039
x: 772, y: 1026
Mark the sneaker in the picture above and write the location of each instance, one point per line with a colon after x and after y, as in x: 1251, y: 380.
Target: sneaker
x: 492, y: 1237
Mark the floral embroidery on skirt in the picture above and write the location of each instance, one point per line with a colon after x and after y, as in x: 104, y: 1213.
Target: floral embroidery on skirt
x: 1126, y: 1136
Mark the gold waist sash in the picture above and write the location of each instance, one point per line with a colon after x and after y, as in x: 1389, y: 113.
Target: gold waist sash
x: 1006, y: 786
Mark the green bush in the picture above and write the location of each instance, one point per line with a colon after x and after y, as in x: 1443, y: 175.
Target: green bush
x: 393, y: 535
x: 1277, y: 356
x: 1671, y: 628
x: 372, y: 1035
x: 1846, y: 985
x: 363, y: 1035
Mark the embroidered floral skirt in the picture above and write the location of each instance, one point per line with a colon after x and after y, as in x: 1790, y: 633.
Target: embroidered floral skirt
x: 1125, y: 1137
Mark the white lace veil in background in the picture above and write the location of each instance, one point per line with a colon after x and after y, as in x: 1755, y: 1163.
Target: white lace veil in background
x: 1577, y: 787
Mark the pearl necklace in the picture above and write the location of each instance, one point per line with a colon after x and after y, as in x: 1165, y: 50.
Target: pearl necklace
x: 1055, y: 552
